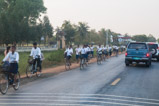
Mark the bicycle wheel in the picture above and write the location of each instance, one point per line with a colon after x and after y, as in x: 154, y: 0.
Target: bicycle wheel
x: 29, y: 71
x: 38, y: 72
x: 67, y: 65
x: 104, y: 57
x: 98, y: 59
x: 4, y: 83
x: 85, y: 62
x: 17, y: 82
x: 82, y: 64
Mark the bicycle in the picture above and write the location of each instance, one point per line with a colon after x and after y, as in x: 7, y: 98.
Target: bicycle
x: 29, y: 70
x: 7, y: 78
x: 104, y: 55
x: 82, y: 62
x: 67, y: 64
x: 117, y: 52
x: 99, y: 58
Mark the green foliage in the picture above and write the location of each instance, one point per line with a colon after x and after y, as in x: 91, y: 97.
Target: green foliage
x: 144, y: 38
x: 69, y: 31
x: 82, y: 29
x: 56, y: 56
x: 151, y: 38
x: 140, y: 38
x: 47, y: 28
x: 158, y: 40
x: 20, y: 21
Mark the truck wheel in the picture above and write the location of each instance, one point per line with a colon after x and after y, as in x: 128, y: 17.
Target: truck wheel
x: 157, y: 58
x: 127, y: 64
x: 148, y: 64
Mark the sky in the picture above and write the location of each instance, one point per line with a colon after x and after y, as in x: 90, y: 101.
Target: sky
x: 122, y: 16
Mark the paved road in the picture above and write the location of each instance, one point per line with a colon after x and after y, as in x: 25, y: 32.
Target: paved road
x: 109, y: 84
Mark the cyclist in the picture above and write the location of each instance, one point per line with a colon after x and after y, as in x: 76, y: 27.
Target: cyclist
x: 78, y: 49
x: 86, y: 53
x: 105, y: 51
x: 65, y: 53
x: 110, y: 50
x: 83, y: 52
x: 117, y: 50
x: 13, y: 58
x: 92, y: 51
x: 36, y: 54
x: 5, y: 54
x: 69, y: 53
x: 99, y: 51
x: 7, y: 51
x: 114, y: 50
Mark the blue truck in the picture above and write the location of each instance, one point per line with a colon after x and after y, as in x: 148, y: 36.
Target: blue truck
x: 138, y: 52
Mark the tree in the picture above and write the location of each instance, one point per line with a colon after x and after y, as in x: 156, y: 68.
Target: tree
x: 83, y: 29
x: 69, y: 31
x: 17, y: 18
x: 158, y: 40
x: 95, y: 38
x: 102, y: 34
x: 140, y: 38
x: 151, y: 38
x: 47, y: 28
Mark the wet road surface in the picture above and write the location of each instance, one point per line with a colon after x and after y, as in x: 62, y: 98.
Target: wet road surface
x: 108, y: 84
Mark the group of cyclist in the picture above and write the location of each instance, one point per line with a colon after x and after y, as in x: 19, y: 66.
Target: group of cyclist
x: 11, y: 59
x: 87, y: 52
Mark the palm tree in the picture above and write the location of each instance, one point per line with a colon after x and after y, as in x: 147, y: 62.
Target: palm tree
x: 83, y: 29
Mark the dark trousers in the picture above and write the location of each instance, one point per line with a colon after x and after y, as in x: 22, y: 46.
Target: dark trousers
x: 38, y: 61
x: 13, y: 68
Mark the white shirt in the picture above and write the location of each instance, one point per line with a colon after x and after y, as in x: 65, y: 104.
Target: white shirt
x: 78, y: 51
x: 104, y: 48
x: 69, y: 52
x: 83, y: 51
x: 110, y: 48
x: 35, y: 53
x: 114, y: 47
x: 86, y: 50
x: 89, y: 49
x: 92, y: 48
x: 99, y: 49
x: 66, y: 50
x: 12, y: 57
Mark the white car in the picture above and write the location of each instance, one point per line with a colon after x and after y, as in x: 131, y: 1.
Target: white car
x: 154, y: 47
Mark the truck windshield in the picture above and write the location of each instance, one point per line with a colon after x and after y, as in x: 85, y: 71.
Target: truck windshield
x: 137, y: 46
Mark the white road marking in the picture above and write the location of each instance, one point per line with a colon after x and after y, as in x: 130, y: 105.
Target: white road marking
x: 44, y: 104
x: 77, y: 101
x: 36, y: 98
x: 65, y: 94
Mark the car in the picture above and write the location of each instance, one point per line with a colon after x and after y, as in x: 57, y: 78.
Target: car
x: 138, y: 52
x: 154, y: 47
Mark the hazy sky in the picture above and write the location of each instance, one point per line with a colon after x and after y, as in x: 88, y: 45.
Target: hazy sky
x: 123, y: 16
